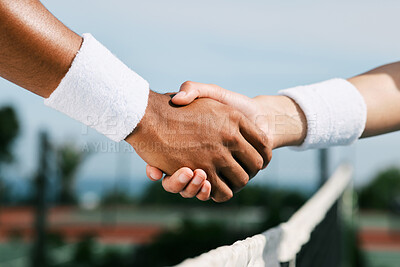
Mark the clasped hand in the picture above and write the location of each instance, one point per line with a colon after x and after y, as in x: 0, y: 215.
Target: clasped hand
x: 205, y: 135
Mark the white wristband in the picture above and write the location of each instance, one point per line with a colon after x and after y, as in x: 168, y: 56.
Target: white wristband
x: 336, y: 112
x: 101, y: 92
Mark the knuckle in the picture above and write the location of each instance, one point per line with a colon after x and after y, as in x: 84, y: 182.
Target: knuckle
x: 223, y: 197
x: 221, y: 93
x: 201, y: 173
x: 174, y: 190
x: 236, y: 115
x: 218, y: 158
x: 169, y: 187
x: 218, y: 199
x: 165, y: 185
x: 231, y: 137
x: 184, y: 195
x: 264, y: 141
x: 202, y: 198
x: 228, y: 196
x: 218, y: 90
x: 242, y: 182
x: 221, y: 161
x: 259, y: 164
x: 187, y: 84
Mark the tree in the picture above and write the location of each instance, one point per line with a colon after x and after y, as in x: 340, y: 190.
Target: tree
x: 68, y: 160
x: 382, y: 191
x: 9, y: 130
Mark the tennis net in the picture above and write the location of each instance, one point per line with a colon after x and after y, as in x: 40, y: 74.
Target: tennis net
x: 311, y: 237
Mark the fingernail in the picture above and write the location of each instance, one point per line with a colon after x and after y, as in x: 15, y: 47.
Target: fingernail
x: 181, y: 94
x: 152, y: 176
x: 197, y: 180
x: 204, y: 189
x: 184, y: 178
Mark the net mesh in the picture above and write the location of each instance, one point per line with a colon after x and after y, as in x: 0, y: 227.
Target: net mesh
x: 311, y: 237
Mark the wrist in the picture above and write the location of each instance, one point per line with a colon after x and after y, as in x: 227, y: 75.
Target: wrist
x: 282, y: 120
x: 335, y: 112
x: 101, y: 92
x: 138, y: 135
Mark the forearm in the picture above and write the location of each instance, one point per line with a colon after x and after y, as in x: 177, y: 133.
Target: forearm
x: 36, y: 49
x: 380, y: 89
x: 40, y: 54
x: 286, y: 125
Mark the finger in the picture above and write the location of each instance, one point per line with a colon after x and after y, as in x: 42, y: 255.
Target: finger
x: 205, y: 191
x: 153, y: 173
x: 234, y: 175
x: 247, y: 157
x: 220, y: 191
x: 194, y: 185
x: 177, y: 181
x: 257, y: 139
x: 189, y: 91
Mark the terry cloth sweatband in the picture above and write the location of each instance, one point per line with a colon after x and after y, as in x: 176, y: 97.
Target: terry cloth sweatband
x: 335, y: 110
x: 101, y: 92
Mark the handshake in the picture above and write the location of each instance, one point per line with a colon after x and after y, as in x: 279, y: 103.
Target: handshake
x: 207, y: 140
x: 210, y: 141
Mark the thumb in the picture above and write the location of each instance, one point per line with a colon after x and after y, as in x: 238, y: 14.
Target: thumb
x: 189, y: 91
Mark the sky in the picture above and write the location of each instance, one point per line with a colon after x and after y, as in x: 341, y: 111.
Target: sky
x: 250, y: 47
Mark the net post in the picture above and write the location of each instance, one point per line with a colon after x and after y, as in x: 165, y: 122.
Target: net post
x: 323, y: 159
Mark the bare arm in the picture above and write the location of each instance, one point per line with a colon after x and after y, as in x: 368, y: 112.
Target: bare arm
x: 36, y: 49
x: 380, y: 88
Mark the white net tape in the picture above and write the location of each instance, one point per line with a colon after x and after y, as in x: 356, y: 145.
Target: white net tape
x: 282, y: 243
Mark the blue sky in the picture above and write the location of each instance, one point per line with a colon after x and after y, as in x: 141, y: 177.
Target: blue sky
x: 251, y: 47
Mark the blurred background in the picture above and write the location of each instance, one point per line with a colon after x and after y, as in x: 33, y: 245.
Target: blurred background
x: 71, y: 197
